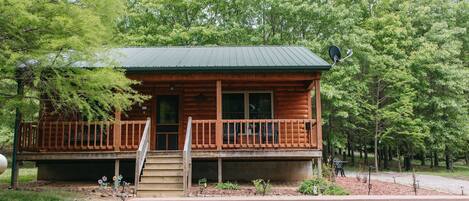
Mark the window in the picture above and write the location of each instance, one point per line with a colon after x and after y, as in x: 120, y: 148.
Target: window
x: 247, y: 105
x: 233, y: 106
x: 260, y: 105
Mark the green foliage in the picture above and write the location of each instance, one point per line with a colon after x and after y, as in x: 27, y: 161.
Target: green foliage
x: 262, y: 187
x: 320, y: 186
x: 227, y: 186
x: 45, y: 40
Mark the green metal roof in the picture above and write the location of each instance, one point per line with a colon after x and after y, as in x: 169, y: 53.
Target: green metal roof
x: 219, y: 59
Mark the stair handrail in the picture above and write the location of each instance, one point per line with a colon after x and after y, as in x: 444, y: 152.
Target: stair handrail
x: 142, y: 150
x: 187, y: 158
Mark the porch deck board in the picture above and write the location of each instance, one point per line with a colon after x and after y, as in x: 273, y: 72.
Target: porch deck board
x: 196, y: 154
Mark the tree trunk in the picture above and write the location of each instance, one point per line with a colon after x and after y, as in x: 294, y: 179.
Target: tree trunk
x: 431, y: 160
x: 366, y: 155
x: 467, y: 158
x: 377, y: 126
x: 422, y: 159
x: 398, y: 159
x: 407, y: 163
x: 435, y: 159
x: 448, y: 159
x: 385, y: 154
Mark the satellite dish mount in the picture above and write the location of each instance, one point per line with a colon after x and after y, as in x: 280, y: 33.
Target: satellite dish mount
x: 336, y: 56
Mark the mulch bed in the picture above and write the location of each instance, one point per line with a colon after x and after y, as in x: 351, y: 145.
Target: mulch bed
x: 356, y: 187
x: 245, y: 190
x: 351, y: 184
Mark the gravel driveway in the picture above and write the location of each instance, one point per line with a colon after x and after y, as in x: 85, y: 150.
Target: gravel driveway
x: 437, y: 183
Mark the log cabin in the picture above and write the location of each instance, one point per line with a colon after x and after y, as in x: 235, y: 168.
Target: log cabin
x: 221, y: 113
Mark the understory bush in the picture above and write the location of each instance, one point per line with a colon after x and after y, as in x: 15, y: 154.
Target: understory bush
x: 320, y: 186
x: 262, y: 187
x: 227, y: 186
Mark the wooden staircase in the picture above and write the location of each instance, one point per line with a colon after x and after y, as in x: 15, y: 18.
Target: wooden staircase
x: 162, y: 175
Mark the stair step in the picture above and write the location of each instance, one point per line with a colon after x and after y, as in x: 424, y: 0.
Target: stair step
x: 160, y: 186
x: 151, y: 172
x: 165, y: 155
x: 164, y: 160
x: 161, y: 179
x: 160, y: 193
x: 163, y: 166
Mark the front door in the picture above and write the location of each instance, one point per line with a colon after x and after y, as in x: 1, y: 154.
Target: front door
x: 167, y: 122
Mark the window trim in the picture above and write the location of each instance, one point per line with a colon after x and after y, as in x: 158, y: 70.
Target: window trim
x: 246, y: 100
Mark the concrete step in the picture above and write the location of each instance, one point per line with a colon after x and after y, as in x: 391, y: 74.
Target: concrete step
x: 160, y: 193
x: 160, y: 186
x: 163, y: 166
x: 161, y: 179
x: 164, y: 160
x: 150, y: 172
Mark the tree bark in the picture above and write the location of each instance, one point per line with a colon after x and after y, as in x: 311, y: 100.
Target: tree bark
x: 448, y: 159
x: 422, y: 159
x: 398, y: 159
x: 467, y: 158
x: 365, y: 155
x: 435, y: 159
x: 407, y: 163
x: 385, y: 154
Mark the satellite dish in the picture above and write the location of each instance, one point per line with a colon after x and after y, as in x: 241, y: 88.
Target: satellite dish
x: 334, y: 53
x: 336, y: 56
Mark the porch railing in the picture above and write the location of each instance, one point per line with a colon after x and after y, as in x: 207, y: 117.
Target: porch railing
x: 142, y: 150
x: 80, y: 135
x: 256, y: 133
x: 187, y: 158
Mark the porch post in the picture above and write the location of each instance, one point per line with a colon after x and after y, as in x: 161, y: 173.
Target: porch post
x: 318, y: 114
x: 116, y: 167
x: 117, y: 130
x: 220, y: 171
x: 319, y: 166
x: 219, y: 129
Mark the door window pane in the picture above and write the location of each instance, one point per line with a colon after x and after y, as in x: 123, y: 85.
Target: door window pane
x: 260, y: 106
x: 233, y: 106
x: 167, y: 110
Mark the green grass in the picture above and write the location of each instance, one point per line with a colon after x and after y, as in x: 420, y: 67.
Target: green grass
x: 19, y: 195
x: 25, y: 175
x: 460, y: 170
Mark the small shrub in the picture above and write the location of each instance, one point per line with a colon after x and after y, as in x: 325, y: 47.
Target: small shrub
x: 227, y: 186
x: 335, y: 190
x: 262, y: 187
x: 320, y: 186
x: 202, y: 185
x: 119, y: 189
x: 327, y: 171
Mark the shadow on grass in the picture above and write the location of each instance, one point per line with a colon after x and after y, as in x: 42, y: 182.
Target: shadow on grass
x: 25, y: 175
x: 20, y: 195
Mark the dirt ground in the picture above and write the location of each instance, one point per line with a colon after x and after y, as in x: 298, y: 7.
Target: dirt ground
x: 91, y: 191
x: 356, y: 187
x: 351, y: 184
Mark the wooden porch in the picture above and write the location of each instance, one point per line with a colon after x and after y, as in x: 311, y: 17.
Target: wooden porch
x: 113, y: 137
